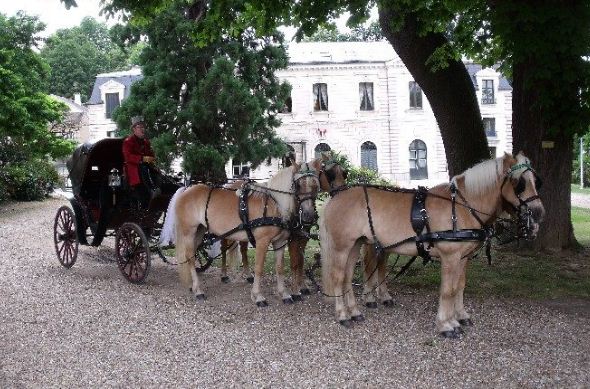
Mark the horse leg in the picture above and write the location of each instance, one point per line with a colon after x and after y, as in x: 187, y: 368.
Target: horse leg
x: 246, y: 273
x: 224, y: 246
x: 382, y: 291
x: 445, y: 319
x: 190, y: 242
x: 280, y: 271
x: 460, y: 314
x: 296, y: 247
x: 261, y: 249
x: 337, y: 274
x: 349, y: 297
x: 369, y: 275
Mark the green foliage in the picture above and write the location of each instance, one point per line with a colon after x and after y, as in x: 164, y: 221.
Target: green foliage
x: 329, y: 33
x: 207, y: 99
x: 359, y: 175
x: 25, y: 109
x: 76, y: 55
x: 27, y: 181
x: 586, y: 160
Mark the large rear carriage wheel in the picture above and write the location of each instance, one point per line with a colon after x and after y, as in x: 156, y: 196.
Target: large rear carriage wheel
x: 133, y: 252
x: 65, y: 237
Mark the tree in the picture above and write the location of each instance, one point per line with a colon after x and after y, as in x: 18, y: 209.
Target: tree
x: 329, y: 33
x: 25, y: 108
x: 208, y: 100
x: 76, y: 55
x: 532, y: 39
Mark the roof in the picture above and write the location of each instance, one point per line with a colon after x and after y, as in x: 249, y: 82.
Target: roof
x: 340, y: 52
x: 72, y: 105
x: 127, y: 78
x: 474, y: 68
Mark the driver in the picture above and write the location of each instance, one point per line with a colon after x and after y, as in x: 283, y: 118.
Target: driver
x: 139, y: 156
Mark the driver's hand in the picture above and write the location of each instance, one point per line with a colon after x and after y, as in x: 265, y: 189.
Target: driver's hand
x: 148, y: 159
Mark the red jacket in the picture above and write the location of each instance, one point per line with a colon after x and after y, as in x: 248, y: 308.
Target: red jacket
x: 134, y: 149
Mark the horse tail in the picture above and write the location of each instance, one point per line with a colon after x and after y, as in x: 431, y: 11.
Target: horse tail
x: 233, y: 253
x: 168, y: 236
x: 326, y: 249
x: 185, y: 245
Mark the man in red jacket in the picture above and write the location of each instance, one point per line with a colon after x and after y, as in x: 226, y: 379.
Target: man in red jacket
x: 138, y: 155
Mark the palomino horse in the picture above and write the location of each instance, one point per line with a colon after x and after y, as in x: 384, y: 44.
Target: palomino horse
x: 332, y: 177
x: 263, y: 216
x: 453, y: 221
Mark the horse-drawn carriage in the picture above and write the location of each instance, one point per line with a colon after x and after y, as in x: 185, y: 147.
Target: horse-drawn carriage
x: 103, y: 205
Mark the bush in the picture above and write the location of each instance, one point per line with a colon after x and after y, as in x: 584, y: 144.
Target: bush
x: 28, y: 181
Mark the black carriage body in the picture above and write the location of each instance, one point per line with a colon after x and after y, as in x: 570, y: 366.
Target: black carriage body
x: 101, y: 207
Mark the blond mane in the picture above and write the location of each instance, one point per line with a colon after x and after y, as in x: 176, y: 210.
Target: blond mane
x: 282, y: 181
x: 480, y: 178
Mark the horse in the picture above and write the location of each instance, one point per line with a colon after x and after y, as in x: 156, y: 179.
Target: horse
x: 259, y: 214
x: 452, y: 219
x: 332, y: 177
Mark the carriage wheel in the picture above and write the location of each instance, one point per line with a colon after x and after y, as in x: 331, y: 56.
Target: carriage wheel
x: 202, y: 260
x: 133, y: 252
x: 65, y: 237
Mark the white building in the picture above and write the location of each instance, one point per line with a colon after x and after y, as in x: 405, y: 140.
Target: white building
x: 355, y: 98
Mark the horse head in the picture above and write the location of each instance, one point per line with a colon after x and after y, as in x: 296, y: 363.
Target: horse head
x: 306, y: 187
x: 520, y: 196
x: 332, y: 174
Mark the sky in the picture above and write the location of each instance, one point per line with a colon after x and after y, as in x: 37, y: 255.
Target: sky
x: 54, y: 14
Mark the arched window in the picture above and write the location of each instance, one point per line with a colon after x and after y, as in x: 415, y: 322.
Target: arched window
x: 369, y: 155
x: 418, y: 160
x: 320, y: 148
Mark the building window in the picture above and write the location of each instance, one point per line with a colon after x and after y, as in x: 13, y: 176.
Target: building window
x: 289, y: 158
x: 415, y: 95
x: 492, y: 152
x: 288, y: 106
x: 418, y: 160
x: 487, y: 92
x: 366, y: 96
x: 321, y: 148
x: 489, y: 125
x: 320, y: 97
x: 111, y: 134
x: 111, y: 102
x: 369, y: 156
x: 240, y: 169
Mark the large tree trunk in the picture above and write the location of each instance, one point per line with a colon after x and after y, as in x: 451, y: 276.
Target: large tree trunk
x: 554, y: 164
x: 450, y: 91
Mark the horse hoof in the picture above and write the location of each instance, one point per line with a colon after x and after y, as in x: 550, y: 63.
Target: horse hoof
x: 250, y: 279
x: 388, y: 303
x: 346, y: 323
x: 297, y: 297
x: 459, y: 330
x: 200, y: 297
x: 261, y: 304
x: 452, y: 334
x: 288, y: 301
x: 358, y: 318
x: 225, y: 279
x: 371, y: 304
x: 305, y: 291
x: 466, y: 322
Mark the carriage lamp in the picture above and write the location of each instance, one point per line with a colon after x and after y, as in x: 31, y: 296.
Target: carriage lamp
x: 114, y: 178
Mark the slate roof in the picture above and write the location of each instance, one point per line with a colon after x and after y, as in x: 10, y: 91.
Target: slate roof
x: 124, y: 77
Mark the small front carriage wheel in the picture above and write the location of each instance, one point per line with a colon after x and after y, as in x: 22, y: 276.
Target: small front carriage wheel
x: 65, y: 237
x: 133, y: 252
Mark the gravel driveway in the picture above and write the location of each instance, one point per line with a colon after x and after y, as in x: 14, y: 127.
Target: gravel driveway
x: 88, y: 327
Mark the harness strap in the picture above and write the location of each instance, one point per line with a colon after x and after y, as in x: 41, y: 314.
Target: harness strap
x: 377, y: 244
x: 207, y: 207
x: 419, y: 220
x: 260, y: 222
x: 243, y: 212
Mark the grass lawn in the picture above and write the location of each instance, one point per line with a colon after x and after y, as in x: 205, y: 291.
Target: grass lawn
x: 576, y: 189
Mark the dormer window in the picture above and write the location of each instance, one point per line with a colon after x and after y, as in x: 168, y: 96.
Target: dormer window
x: 111, y: 102
x: 487, y: 92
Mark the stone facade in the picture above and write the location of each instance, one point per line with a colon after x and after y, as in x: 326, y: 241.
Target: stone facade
x: 358, y: 99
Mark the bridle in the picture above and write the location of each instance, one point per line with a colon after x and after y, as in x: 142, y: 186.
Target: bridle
x: 305, y: 172
x: 524, y: 214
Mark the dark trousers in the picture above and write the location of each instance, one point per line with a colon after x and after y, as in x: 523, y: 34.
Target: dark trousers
x: 142, y: 195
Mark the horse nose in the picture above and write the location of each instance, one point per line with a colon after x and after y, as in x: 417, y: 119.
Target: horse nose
x: 538, y: 214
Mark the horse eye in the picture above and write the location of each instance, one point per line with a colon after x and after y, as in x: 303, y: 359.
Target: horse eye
x: 520, y: 186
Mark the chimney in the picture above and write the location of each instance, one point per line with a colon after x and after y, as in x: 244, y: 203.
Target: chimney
x: 77, y: 99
